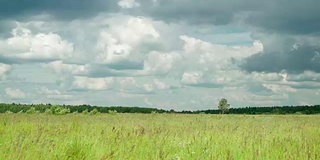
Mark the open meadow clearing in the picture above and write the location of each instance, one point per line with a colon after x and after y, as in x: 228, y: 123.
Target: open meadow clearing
x: 159, y: 136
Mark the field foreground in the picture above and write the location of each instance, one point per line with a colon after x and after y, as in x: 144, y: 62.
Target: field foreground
x: 159, y: 136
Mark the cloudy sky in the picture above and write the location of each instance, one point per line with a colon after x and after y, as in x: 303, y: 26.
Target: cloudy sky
x: 170, y: 54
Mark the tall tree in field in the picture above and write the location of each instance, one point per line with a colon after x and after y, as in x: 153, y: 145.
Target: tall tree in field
x: 223, y: 105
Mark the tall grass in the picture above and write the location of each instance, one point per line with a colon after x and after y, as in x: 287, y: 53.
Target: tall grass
x: 158, y: 136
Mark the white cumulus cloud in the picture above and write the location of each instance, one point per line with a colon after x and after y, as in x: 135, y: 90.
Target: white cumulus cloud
x: 15, y: 93
x: 92, y: 83
x: 25, y: 45
x: 4, y: 69
x: 128, y: 3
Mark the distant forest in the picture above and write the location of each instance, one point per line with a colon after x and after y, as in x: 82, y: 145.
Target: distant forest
x: 23, y: 108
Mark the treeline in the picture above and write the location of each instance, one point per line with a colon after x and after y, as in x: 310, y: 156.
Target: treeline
x: 315, y: 109
x: 42, y: 108
x: 23, y: 108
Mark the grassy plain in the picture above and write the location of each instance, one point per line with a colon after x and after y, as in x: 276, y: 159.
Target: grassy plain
x: 159, y: 136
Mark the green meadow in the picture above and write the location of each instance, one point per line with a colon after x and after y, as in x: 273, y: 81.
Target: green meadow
x: 159, y: 136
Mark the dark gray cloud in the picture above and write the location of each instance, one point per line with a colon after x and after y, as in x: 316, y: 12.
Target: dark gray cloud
x: 102, y: 71
x: 17, y: 60
x: 213, y: 11
x: 306, y: 77
x: 285, y: 16
x: 293, y: 61
x: 206, y: 85
x: 314, y: 85
x: 258, y: 88
x: 6, y: 28
x: 63, y: 9
x: 126, y: 65
x: 288, y: 17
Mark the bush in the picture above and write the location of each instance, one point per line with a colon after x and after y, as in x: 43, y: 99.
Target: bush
x: 8, y: 112
x: 57, y: 110
x: 48, y: 111
x: 61, y: 111
x: 94, y: 111
x: 85, y: 112
x: 75, y: 112
x: 32, y: 110
x: 112, y: 112
x: 154, y: 112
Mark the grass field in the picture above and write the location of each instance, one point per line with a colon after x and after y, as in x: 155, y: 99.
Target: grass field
x: 159, y: 136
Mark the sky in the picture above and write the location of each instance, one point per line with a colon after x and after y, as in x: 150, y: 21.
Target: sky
x: 169, y: 54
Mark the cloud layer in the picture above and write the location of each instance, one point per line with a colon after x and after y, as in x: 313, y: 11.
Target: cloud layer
x: 168, y: 54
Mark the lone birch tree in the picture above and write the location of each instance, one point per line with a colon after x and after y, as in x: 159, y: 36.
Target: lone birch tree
x: 223, y: 105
